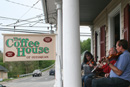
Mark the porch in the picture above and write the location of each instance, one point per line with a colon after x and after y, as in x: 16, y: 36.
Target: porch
x: 108, y: 20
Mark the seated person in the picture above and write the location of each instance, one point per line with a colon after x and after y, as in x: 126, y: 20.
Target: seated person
x: 105, y: 68
x: 88, y: 65
x: 120, y: 71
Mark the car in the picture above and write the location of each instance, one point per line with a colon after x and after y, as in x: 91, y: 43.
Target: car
x: 2, y: 85
x: 52, y: 72
x: 37, y: 73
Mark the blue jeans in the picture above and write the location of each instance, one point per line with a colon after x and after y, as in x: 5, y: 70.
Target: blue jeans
x: 110, y: 82
x: 86, y: 78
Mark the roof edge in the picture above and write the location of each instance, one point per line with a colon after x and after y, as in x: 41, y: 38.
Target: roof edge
x: 44, y: 6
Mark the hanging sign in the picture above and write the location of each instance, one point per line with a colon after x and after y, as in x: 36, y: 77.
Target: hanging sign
x: 29, y: 47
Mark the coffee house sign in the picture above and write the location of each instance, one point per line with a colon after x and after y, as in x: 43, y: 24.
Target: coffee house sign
x: 29, y: 47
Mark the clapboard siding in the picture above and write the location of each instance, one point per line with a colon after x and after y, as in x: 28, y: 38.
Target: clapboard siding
x: 102, y: 19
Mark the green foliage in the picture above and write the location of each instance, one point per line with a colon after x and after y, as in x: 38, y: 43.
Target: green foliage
x: 1, y: 54
x: 85, y: 45
x: 1, y: 62
x: 18, y: 68
x: 45, y: 63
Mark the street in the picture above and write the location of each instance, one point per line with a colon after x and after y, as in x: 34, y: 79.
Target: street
x: 44, y: 81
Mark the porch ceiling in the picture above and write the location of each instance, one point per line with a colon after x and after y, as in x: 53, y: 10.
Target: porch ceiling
x: 89, y: 10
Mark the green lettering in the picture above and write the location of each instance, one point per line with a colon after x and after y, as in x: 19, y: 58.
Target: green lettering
x: 36, y: 44
x: 30, y: 44
x: 46, y: 50
x: 24, y: 42
x: 23, y: 52
x: 7, y: 43
x: 41, y: 50
x: 17, y: 44
x: 34, y: 50
x: 15, y: 38
x: 28, y: 50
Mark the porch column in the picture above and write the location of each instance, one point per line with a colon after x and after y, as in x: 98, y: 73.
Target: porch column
x: 71, y: 44
x: 91, y: 28
x: 58, y: 78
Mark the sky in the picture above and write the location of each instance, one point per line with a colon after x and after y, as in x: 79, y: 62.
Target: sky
x: 85, y: 29
x: 25, y: 15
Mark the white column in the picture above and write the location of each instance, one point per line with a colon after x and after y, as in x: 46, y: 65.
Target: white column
x: 58, y: 77
x: 71, y: 44
x: 91, y: 27
x: 59, y: 27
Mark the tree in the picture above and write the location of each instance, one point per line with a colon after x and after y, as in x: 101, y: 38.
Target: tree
x: 85, y: 45
x: 1, y: 62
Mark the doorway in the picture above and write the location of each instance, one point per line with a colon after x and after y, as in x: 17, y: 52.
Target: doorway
x: 117, y: 28
x: 114, y: 26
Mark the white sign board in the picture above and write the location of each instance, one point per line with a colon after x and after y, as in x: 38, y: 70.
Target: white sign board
x: 29, y: 47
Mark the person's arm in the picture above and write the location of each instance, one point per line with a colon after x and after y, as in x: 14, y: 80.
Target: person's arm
x: 115, y: 69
